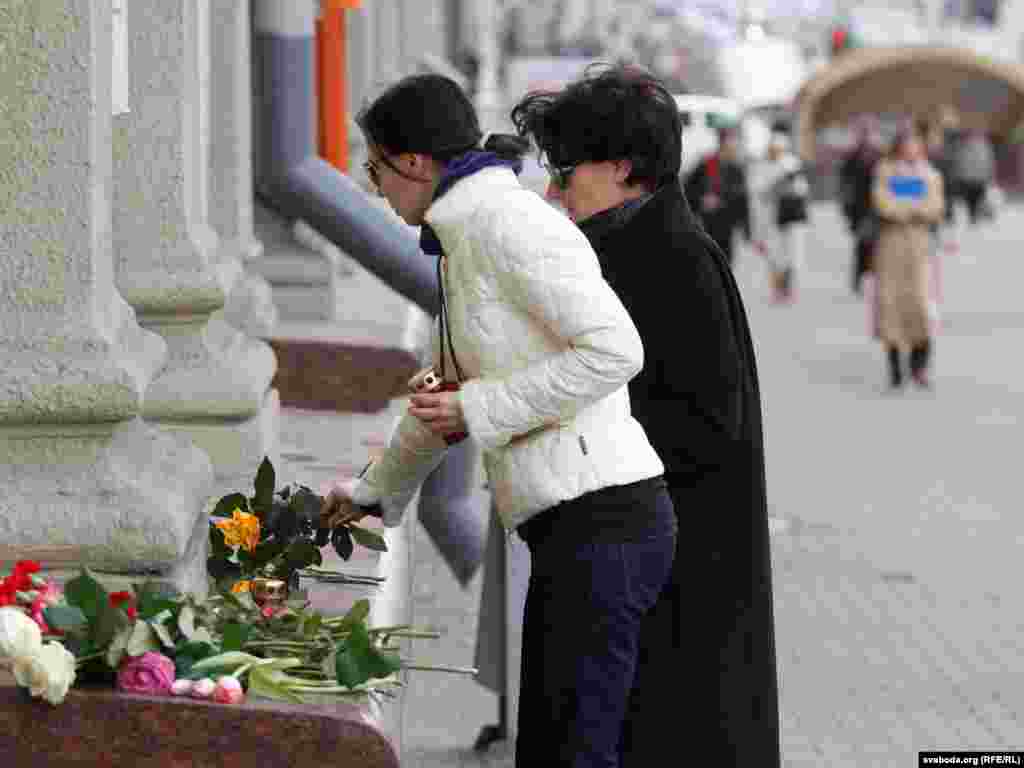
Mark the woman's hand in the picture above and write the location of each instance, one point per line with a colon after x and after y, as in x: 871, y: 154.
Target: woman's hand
x: 338, y: 507
x: 440, y: 412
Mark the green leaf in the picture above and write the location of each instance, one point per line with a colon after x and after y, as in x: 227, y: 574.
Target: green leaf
x: 219, y: 548
x: 229, y: 504
x: 66, y: 618
x: 357, y: 614
x: 187, y: 654
x: 357, y: 660
x: 230, y: 660
x: 307, y: 504
x: 187, y: 621
x: 271, y: 684
x: 264, y: 485
x: 311, y: 625
x: 341, y: 540
x: 302, y: 554
x: 202, y: 635
x: 116, y: 650
x: 367, y: 538
x: 152, y: 598
x: 142, y: 638
x: 162, y: 632
x: 86, y: 594
x: 234, y: 636
x: 109, y: 621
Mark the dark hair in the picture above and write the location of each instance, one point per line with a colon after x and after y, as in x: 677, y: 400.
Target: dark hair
x: 621, y: 112
x: 431, y: 115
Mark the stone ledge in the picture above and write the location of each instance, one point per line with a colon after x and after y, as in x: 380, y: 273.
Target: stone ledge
x: 332, y: 376
x: 99, y: 727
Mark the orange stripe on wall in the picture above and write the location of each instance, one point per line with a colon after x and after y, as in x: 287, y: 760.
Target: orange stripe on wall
x: 331, y: 85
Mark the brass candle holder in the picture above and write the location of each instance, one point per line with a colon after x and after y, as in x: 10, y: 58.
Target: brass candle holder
x: 272, y: 592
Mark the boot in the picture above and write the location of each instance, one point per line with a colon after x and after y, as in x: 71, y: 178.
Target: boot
x: 895, y: 369
x: 920, y: 355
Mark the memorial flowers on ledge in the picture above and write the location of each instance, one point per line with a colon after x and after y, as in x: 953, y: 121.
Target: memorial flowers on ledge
x: 222, y: 648
x: 275, y: 534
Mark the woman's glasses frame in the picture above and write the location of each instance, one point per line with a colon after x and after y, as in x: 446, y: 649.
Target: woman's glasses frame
x: 373, y: 170
x: 561, y: 176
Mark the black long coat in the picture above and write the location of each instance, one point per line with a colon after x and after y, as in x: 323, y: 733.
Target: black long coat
x: 707, y: 675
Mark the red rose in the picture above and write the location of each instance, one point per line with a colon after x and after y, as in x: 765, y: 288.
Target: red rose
x: 117, y: 599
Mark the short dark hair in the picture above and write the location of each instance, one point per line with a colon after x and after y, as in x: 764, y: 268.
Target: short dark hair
x: 613, y: 112
x: 429, y: 114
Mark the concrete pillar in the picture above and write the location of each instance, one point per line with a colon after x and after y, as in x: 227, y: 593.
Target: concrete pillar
x: 249, y: 306
x: 82, y: 478
x: 215, y: 387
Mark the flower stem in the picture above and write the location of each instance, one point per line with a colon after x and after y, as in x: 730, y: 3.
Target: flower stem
x: 438, y: 668
x: 82, y: 659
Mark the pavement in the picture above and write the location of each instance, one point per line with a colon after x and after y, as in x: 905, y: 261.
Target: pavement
x: 897, y: 524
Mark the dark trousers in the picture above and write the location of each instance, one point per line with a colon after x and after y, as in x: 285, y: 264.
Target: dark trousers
x: 974, y: 194
x: 581, y: 625
x: 862, y: 253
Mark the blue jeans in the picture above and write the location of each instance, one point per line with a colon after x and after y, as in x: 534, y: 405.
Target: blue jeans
x: 581, y: 628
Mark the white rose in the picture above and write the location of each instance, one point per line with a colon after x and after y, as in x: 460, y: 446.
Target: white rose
x: 19, y: 635
x: 48, y: 674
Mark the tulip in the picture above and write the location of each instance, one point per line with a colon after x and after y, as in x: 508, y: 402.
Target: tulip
x: 228, y: 690
x: 203, y: 689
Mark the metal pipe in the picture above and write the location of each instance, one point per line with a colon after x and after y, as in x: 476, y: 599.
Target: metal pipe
x: 300, y: 184
x: 303, y: 186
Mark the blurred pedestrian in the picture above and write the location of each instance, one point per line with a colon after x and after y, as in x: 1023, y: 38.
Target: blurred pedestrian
x: 698, y: 400
x: 535, y: 350
x: 908, y: 197
x: 974, y: 168
x: 717, y: 188
x: 855, y: 182
x: 780, y: 214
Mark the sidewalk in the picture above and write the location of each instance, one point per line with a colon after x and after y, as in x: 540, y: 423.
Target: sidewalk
x: 895, y: 530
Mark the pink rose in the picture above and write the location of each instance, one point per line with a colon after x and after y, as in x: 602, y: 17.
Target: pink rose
x: 228, y: 691
x: 150, y: 673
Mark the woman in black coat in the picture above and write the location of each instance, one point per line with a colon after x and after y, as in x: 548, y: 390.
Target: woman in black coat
x: 706, y: 675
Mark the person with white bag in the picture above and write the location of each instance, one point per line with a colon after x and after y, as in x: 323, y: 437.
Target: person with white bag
x: 781, y: 220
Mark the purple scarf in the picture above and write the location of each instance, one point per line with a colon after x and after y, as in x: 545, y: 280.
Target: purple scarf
x: 457, y: 168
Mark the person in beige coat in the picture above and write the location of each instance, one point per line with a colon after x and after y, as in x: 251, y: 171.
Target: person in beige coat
x: 908, y: 197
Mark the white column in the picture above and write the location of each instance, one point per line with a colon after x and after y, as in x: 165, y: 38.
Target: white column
x: 215, y: 387
x: 249, y: 306
x: 489, y: 100
x: 82, y: 478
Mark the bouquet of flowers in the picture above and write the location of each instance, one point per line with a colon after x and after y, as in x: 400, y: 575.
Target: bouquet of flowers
x: 275, y: 534
x: 224, y: 647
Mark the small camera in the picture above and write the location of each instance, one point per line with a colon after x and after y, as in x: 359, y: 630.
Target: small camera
x: 429, y: 381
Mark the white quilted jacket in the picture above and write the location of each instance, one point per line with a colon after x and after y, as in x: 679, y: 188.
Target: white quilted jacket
x: 546, y: 349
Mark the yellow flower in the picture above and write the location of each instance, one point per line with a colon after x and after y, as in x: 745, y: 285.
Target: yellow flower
x: 242, y: 530
x: 240, y: 586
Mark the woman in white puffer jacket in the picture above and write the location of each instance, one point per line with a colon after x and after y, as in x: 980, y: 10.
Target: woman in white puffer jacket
x: 543, y: 351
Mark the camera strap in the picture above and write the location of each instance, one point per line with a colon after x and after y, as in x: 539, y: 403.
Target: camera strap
x: 444, y: 327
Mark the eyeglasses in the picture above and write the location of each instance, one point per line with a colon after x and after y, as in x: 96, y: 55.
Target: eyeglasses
x: 373, y: 171
x: 561, y: 176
